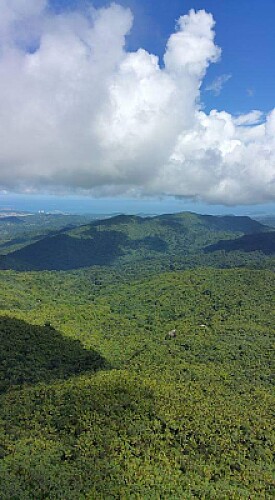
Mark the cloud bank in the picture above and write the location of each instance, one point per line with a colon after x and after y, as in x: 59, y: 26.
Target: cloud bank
x: 78, y: 113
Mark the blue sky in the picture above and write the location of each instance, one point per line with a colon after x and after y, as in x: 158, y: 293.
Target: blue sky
x: 244, y: 30
x: 109, y: 122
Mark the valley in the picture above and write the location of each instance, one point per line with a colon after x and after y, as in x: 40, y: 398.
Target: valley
x: 98, y: 401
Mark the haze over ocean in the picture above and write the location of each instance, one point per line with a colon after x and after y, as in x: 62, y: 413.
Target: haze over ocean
x: 82, y: 205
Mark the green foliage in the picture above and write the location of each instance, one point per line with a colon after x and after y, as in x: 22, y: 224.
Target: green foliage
x: 30, y: 354
x: 19, y: 231
x: 263, y: 242
x: 126, y: 239
x: 97, y: 400
x: 186, y: 417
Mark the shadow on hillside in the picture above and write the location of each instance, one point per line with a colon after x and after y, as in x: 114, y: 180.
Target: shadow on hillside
x: 14, y: 241
x: 258, y: 242
x: 31, y: 354
x: 63, y: 252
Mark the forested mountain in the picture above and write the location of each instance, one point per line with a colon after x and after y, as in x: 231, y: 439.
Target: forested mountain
x: 11, y: 219
x: 148, y: 373
x: 261, y: 242
x: 128, y: 238
x: 268, y: 220
x: 17, y: 231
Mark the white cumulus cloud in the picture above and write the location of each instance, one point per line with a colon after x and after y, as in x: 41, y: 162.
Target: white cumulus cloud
x: 80, y: 113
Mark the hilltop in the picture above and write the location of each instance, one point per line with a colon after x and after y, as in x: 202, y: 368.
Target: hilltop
x: 126, y: 238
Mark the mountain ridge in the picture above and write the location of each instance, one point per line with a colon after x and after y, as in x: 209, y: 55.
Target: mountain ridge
x: 263, y: 242
x: 122, y: 237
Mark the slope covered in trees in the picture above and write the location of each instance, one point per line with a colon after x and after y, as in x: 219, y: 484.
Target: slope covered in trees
x: 32, y: 353
x: 183, y: 417
x: 127, y: 239
x: 24, y: 229
x: 260, y: 242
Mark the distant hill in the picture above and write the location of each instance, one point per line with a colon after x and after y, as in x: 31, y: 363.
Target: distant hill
x: 263, y: 242
x: 269, y: 220
x: 20, y: 230
x: 7, y: 219
x: 128, y: 237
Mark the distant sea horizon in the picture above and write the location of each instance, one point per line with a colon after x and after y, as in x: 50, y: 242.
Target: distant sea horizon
x: 150, y: 206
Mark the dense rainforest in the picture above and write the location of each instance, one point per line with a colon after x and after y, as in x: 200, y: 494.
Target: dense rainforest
x: 127, y: 238
x: 148, y: 374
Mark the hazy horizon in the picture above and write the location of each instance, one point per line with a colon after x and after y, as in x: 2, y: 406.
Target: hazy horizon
x: 85, y: 205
